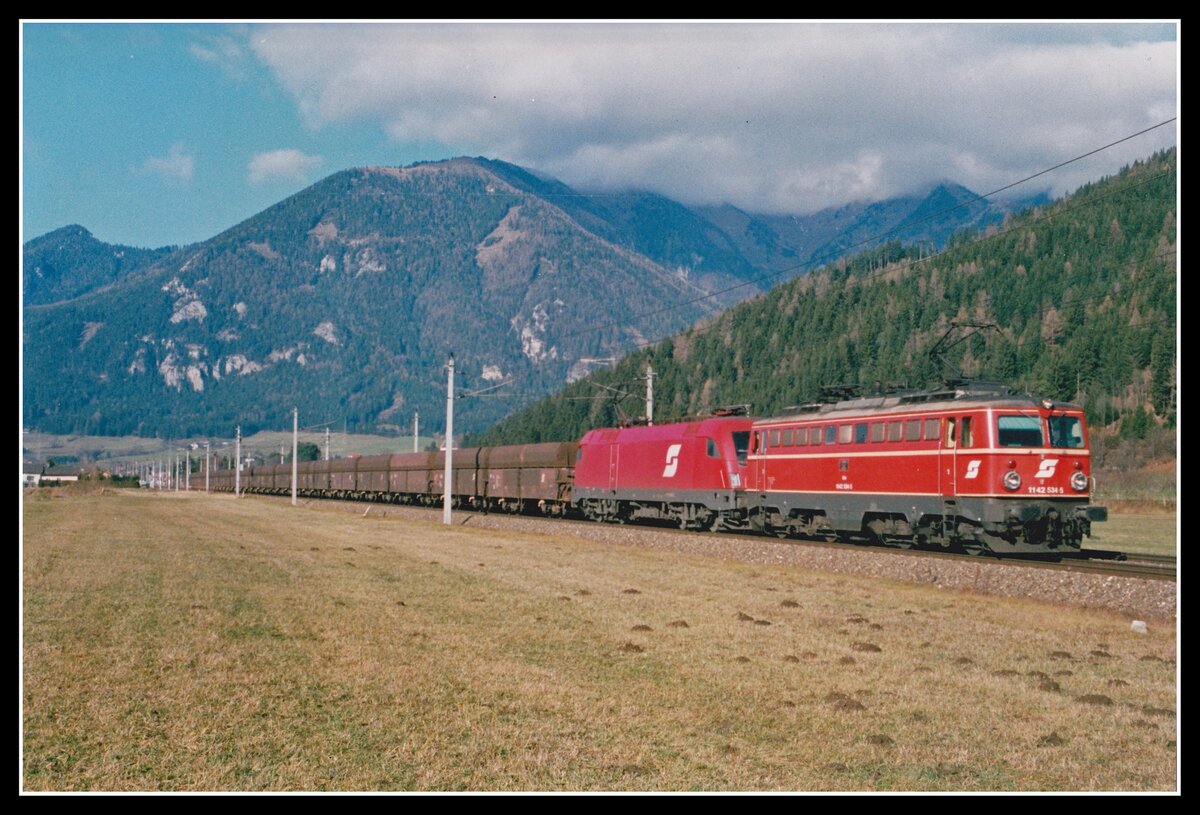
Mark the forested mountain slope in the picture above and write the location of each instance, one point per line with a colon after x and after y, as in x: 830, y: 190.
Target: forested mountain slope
x: 1083, y: 291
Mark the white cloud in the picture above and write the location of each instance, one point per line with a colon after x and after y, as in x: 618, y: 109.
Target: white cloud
x: 176, y: 165
x: 782, y: 117
x: 281, y: 165
x: 224, y: 51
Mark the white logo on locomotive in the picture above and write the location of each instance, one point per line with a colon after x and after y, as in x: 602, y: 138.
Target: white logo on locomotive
x: 1047, y: 469
x: 672, y: 460
x: 973, y: 468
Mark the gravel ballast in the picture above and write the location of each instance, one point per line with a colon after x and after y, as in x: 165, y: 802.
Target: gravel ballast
x: 1138, y: 597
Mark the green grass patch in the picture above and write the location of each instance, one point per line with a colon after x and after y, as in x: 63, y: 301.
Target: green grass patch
x: 1154, y: 533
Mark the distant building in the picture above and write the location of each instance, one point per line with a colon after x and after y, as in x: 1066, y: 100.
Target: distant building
x: 62, y: 472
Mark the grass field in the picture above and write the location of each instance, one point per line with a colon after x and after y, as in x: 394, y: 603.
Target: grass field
x: 1137, y: 532
x: 191, y: 642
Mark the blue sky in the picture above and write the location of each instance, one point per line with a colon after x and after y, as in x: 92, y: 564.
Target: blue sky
x: 154, y: 134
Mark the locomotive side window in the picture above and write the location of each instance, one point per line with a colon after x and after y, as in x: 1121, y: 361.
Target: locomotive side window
x: 773, y: 442
x: 895, y: 431
x: 711, y: 448
x: 932, y: 429
x: 845, y: 433
x: 965, y: 432
x: 814, y: 436
x: 787, y: 437
x: 801, y: 436
x: 1019, y: 431
x: 1066, y: 431
x: 758, y: 445
x: 912, y: 430
x: 877, y: 431
x: 860, y: 433
x: 741, y: 441
x: 830, y: 434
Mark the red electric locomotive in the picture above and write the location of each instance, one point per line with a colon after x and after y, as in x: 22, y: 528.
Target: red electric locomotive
x: 977, y: 467
x: 691, y: 473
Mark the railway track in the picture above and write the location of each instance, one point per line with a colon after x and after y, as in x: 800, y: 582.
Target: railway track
x: 1149, y: 567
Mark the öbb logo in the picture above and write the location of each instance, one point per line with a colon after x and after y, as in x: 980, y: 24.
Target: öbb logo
x: 973, y: 468
x: 1047, y: 468
x: 672, y: 460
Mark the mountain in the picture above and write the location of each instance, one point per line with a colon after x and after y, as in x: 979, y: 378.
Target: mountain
x: 663, y: 230
x: 1083, y: 291
x: 346, y: 299
x: 799, y: 242
x: 69, y: 262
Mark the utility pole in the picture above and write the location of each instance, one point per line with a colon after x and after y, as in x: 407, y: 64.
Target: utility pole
x: 649, y: 395
x: 206, y: 466
x: 295, y: 446
x: 327, y: 442
x: 175, y: 472
x: 237, y: 473
x: 187, y: 471
x: 449, y: 474
x: 416, y: 428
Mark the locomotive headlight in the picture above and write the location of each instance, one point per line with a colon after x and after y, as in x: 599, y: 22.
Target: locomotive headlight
x: 1079, y: 481
x: 1012, y: 479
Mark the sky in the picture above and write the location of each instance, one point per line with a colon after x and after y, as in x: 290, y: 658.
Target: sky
x: 150, y: 134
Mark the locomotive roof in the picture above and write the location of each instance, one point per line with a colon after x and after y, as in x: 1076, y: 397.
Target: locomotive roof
x: 905, y: 401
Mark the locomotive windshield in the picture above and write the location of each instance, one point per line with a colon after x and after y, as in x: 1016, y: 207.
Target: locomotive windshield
x: 1029, y: 431
x: 1066, y: 431
x: 741, y: 444
x: 1020, y: 431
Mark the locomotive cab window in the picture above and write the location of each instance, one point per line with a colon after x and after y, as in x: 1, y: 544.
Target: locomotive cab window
x: 1066, y: 431
x: 710, y: 448
x: 951, y: 434
x: 1019, y: 431
x: 964, y: 434
x: 741, y: 441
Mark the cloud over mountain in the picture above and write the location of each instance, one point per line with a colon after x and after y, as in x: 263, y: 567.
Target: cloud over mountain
x: 775, y: 117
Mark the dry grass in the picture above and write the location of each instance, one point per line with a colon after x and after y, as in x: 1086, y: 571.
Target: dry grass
x: 1137, y: 532
x: 210, y: 643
